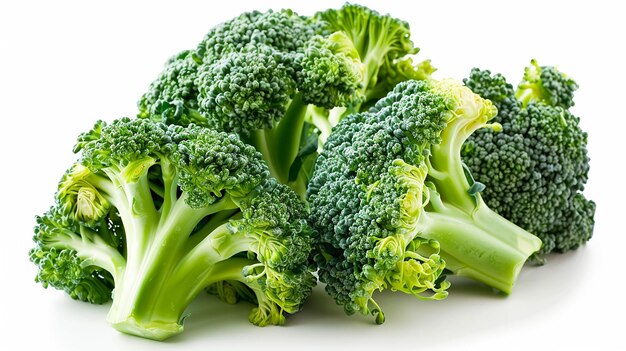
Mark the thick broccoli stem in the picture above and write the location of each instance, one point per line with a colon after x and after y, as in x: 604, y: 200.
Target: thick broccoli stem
x: 284, y: 139
x: 279, y: 145
x: 481, y: 245
x: 157, y: 310
x: 156, y: 240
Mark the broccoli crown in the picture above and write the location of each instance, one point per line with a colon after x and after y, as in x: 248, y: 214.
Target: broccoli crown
x: 262, y: 76
x: 159, y: 213
x: 536, y: 167
x: 367, y: 196
x: 249, y: 59
x: 284, y: 30
x: 392, y: 206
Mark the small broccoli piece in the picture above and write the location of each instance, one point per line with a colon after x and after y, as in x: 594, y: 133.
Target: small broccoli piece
x: 393, y: 206
x: 384, y: 46
x: 160, y: 214
x: 535, y: 168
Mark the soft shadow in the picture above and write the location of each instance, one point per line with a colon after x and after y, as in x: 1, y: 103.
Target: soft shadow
x: 207, y: 315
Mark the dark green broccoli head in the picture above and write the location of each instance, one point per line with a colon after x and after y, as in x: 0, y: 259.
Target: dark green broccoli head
x: 62, y: 267
x: 392, y: 204
x: 535, y: 168
x: 173, y: 96
x: 365, y: 199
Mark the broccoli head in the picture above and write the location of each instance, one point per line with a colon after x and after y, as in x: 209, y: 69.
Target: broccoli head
x: 151, y: 215
x: 393, y: 207
x: 535, y: 168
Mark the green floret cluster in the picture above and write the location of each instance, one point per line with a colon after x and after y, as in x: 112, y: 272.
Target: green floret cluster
x: 536, y: 167
x: 284, y: 150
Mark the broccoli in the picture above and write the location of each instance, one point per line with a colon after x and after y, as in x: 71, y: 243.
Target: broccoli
x: 536, y: 167
x: 281, y: 81
x: 384, y: 46
x: 152, y: 215
x: 392, y: 205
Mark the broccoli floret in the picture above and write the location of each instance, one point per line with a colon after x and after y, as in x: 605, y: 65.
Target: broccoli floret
x: 282, y: 81
x: 546, y: 84
x: 152, y: 215
x: 393, y: 206
x: 536, y: 167
x: 384, y: 46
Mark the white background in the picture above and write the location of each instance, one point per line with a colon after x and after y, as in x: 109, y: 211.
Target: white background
x: 65, y: 64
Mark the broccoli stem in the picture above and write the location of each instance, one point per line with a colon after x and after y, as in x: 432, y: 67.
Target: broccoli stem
x: 156, y: 242
x: 93, y: 250
x: 156, y: 313
x: 320, y: 118
x: 167, y: 247
x: 163, y: 319
x: 280, y: 145
x: 445, y: 167
x: 481, y: 245
x: 284, y: 140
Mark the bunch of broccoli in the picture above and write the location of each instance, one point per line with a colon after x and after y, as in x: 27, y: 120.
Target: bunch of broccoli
x: 281, y: 81
x: 284, y: 148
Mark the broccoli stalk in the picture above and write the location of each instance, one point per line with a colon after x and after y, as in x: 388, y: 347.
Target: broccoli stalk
x: 394, y: 175
x: 159, y: 214
x: 547, y: 85
x: 476, y: 242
